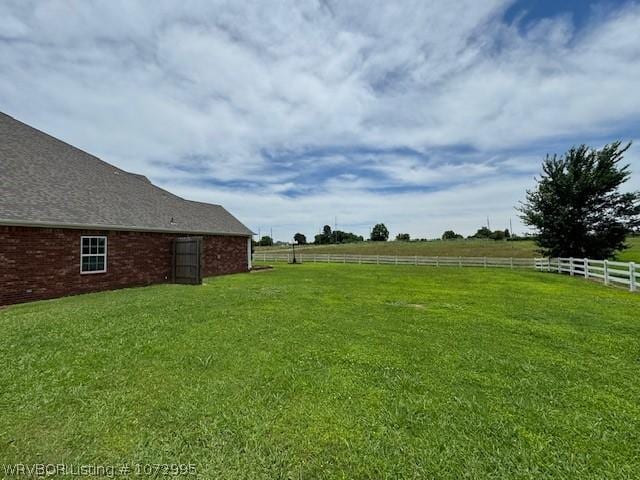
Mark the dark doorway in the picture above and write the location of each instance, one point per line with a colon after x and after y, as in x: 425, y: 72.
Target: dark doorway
x: 187, y: 260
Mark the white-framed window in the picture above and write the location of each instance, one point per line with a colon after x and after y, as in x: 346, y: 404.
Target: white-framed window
x: 93, y: 254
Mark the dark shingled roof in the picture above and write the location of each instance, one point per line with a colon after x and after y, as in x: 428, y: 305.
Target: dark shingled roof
x: 46, y: 182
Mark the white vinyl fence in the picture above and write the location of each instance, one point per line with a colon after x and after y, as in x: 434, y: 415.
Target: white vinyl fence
x: 609, y: 272
x: 398, y: 260
x: 606, y: 271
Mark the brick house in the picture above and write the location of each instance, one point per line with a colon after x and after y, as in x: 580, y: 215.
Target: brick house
x: 72, y: 223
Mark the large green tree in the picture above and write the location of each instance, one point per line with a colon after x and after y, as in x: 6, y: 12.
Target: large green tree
x: 380, y: 233
x: 577, y: 206
x: 483, y: 232
x: 300, y: 239
x: 451, y: 235
x: 266, y: 241
x: 337, y: 236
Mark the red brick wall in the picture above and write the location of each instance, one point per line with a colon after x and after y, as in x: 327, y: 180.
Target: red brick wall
x: 39, y: 263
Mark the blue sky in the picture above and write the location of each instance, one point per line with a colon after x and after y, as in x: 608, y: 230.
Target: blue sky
x: 581, y: 12
x: 426, y: 116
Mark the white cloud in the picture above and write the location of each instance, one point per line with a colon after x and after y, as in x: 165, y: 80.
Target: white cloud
x: 395, y: 89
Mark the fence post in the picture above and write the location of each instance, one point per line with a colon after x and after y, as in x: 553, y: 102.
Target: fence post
x: 396, y: 259
x: 328, y: 258
x: 571, y: 266
x: 606, y: 272
x: 586, y: 268
x: 511, y: 262
x: 360, y: 259
x: 485, y: 262
x: 377, y: 259
x: 460, y: 261
x: 314, y: 258
x: 416, y: 260
x: 437, y: 261
x: 559, y: 268
x: 548, y: 264
x: 288, y: 258
x: 632, y: 277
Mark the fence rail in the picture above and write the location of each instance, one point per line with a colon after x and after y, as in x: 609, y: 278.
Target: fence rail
x: 607, y: 271
x: 399, y: 260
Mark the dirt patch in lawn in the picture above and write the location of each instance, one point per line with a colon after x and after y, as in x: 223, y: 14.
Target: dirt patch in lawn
x: 417, y: 306
x: 261, y: 268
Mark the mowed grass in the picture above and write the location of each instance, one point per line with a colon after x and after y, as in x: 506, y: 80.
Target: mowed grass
x: 332, y: 371
x: 447, y: 248
x: 631, y: 254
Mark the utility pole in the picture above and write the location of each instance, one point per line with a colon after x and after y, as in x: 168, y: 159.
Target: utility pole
x: 511, y: 236
x: 271, y: 234
x: 488, y: 224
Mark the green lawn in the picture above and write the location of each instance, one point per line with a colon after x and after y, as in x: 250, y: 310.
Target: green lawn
x: 332, y: 371
x: 632, y: 254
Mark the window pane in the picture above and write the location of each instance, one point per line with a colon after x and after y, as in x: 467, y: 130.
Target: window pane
x: 93, y: 257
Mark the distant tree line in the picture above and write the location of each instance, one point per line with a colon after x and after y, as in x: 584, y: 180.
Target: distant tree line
x: 451, y: 235
x: 379, y: 232
x: 336, y: 236
x: 265, y: 241
x: 482, y: 233
x: 485, y: 233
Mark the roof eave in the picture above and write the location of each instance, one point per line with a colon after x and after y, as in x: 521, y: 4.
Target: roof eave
x: 123, y: 228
